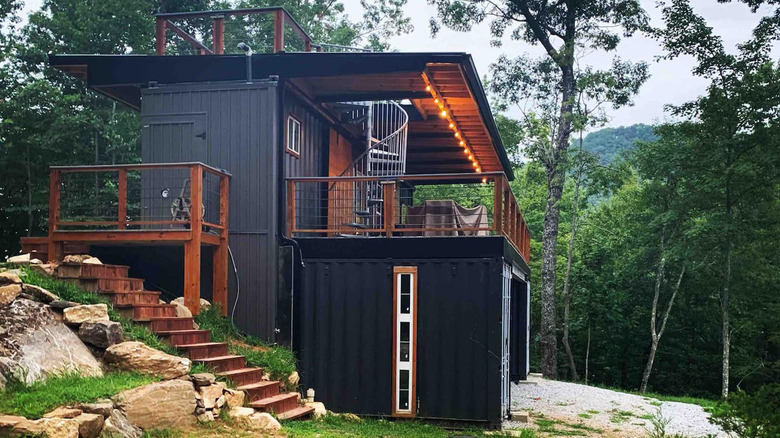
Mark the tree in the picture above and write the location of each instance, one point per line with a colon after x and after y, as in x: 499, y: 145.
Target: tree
x: 736, y: 119
x: 560, y: 28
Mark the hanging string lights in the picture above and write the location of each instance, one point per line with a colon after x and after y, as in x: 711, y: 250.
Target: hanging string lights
x: 445, y: 113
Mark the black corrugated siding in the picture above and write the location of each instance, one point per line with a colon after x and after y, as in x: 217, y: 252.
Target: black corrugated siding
x: 242, y: 135
x: 345, y: 332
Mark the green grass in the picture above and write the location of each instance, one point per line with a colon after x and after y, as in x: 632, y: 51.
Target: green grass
x: 562, y: 428
x: 337, y: 427
x: 278, y: 362
x: 34, y: 400
x: 703, y: 402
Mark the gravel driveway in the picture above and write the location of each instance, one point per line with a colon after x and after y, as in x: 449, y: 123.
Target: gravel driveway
x: 601, y: 412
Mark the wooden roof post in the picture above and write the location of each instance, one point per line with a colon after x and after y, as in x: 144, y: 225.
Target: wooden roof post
x: 192, y: 247
x: 279, y: 30
x: 159, y: 35
x: 218, y: 34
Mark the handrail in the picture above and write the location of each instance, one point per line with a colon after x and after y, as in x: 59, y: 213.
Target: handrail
x: 139, y: 166
x: 507, y: 218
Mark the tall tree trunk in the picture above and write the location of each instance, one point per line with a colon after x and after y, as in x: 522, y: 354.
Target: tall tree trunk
x: 659, y: 278
x: 555, y: 176
x: 29, y: 193
x: 724, y: 298
x: 587, y: 355
x: 567, y: 277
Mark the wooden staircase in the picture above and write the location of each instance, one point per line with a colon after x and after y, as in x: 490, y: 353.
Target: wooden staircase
x: 132, y: 301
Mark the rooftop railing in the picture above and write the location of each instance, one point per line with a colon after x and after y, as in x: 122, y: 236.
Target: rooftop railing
x: 404, y: 206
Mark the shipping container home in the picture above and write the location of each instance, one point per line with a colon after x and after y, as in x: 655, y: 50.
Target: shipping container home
x: 371, y: 224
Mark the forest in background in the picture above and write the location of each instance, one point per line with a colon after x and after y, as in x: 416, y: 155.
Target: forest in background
x: 656, y: 223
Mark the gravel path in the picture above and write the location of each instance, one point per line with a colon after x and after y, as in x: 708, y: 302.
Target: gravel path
x: 615, y: 414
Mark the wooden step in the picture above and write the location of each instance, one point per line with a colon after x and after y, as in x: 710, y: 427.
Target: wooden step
x: 183, y: 337
x: 205, y: 350
x: 124, y: 298
x: 224, y: 363
x: 260, y: 390
x: 107, y: 284
x: 277, y: 404
x: 146, y: 311
x: 81, y: 270
x: 296, y: 413
x: 244, y: 376
x: 171, y: 323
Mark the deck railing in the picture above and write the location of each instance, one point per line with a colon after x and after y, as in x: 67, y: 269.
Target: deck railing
x: 409, y: 205
x: 138, y: 197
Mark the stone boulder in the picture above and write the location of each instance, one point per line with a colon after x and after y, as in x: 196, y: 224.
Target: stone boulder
x: 76, y: 258
x: 90, y: 425
x: 48, y: 427
x: 212, y: 394
x: 250, y: 419
x: 39, y: 293
x: 20, y: 259
x: 62, y: 305
x: 182, y: 311
x: 117, y: 426
x: 136, y: 356
x: 319, y: 409
x: 101, y: 334
x: 64, y: 412
x: 203, y: 379
x: 9, y: 292
x: 234, y: 399
x: 159, y: 405
x: 44, y: 268
x: 204, y: 304
x: 35, y: 344
x: 7, y: 423
x: 92, y: 261
x: 9, y: 277
x: 85, y: 313
x: 100, y: 407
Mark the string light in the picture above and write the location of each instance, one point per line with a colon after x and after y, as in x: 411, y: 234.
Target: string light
x: 439, y: 101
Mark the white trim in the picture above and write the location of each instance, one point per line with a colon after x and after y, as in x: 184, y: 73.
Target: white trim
x: 293, y: 142
x: 401, y: 318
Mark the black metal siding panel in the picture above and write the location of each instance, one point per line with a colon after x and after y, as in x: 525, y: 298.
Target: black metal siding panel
x: 242, y: 133
x: 345, y: 325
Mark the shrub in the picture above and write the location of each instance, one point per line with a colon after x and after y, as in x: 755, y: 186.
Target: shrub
x: 750, y: 415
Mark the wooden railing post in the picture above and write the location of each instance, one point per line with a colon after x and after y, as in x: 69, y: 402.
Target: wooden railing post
x: 498, y: 189
x: 54, y: 215
x: 192, y: 247
x: 159, y: 35
x: 279, y: 30
x: 218, y: 34
x: 291, y: 195
x: 220, y: 257
x: 122, y: 202
x: 388, y: 188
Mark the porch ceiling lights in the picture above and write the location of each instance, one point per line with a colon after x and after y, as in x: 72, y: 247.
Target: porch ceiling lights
x: 446, y: 113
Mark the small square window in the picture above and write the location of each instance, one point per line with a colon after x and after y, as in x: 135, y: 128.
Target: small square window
x: 293, y: 136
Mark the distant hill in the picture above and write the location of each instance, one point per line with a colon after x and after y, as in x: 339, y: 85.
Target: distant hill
x: 607, y: 143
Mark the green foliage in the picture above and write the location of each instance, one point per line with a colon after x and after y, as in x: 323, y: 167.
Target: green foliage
x: 337, y: 427
x: 754, y: 415
x: 279, y: 362
x: 608, y: 143
x: 34, y: 400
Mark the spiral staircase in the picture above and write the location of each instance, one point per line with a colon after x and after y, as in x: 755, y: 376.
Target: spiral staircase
x: 385, y: 127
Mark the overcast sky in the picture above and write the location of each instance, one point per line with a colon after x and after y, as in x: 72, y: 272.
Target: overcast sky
x: 670, y: 81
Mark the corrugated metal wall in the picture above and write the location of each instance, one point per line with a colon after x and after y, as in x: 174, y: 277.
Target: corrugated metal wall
x: 345, y: 332
x: 241, y: 127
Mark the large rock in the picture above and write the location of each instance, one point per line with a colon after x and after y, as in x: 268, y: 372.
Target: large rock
x: 85, y: 313
x: 7, y: 423
x: 102, y: 334
x: 76, y: 258
x: 204, y: 304
x: 64, y: 412
x: 19, y: 259
x: 319, y: 409
x: 9, y: 292
x: 44, y: 268
x: 203, y: 379
x: 39, y: 293
x: 136, y: 356
x: 182, y: 311
x: 210, y: 394
x: 100, y: 407
x: 48, y: 427
x: 159, y: 405
x: 90, y: 425
x: 117, y: 426
x: 9, y: 277
x: 92, y: 261
x: 234, y: 399
x: 250, y: 419
x: 35, y: 344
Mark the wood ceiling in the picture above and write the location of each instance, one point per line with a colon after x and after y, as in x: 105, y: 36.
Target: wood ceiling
x: 432, y: 146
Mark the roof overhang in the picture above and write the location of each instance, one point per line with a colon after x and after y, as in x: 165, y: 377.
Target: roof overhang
x: 329, y: 77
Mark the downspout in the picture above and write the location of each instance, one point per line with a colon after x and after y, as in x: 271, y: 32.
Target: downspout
x: 282, y: 206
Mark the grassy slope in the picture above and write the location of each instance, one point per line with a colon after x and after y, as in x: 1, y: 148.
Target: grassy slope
x: 32, y: 401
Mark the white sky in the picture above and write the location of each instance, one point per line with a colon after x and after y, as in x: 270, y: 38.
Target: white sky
x: 670, y: 83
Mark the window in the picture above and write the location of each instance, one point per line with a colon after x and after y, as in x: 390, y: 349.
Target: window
x: 293, y: 136
x: 405, y: 340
